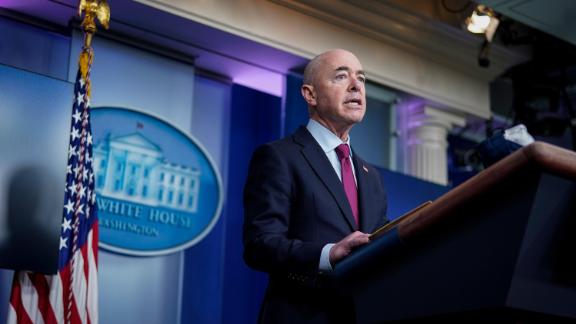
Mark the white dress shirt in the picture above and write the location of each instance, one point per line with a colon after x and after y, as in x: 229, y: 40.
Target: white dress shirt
x: 328, y: 142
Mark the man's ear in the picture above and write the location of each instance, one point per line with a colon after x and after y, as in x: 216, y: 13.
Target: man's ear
x: 309, y: 94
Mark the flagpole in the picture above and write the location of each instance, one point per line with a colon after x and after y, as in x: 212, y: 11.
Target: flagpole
x: 92, y: 9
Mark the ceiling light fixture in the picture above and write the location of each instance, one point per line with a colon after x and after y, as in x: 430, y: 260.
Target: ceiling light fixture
x: 483, y: 20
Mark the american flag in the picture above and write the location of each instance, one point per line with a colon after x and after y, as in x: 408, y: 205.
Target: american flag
x: 71, y: 296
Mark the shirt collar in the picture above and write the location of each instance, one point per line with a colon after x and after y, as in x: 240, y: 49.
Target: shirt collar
x: 328, y: 141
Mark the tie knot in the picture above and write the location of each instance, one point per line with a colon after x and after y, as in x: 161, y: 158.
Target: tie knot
x: 343, y: 151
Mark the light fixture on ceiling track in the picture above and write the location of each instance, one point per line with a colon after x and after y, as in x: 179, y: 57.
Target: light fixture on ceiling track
x: 482, y: 20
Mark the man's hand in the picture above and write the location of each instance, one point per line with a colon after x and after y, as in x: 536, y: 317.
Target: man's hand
x: 341, y: 249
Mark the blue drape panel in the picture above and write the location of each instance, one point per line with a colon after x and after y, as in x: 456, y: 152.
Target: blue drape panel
x: 255, y: 119
x: 295, y: 108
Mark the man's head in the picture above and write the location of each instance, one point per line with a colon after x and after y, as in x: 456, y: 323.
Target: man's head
x: 334, y: 88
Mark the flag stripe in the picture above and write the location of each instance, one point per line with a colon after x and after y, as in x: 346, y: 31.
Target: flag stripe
x: 79, y: 287
x: 42, y: 290
x: 86, y: 274
x: 56, y: 297
x: 17, y: 312
x: 74, y: 316
x: 65, y: 287
x: 30, y: 298
x: 84, y: 251
x: 92, y: 308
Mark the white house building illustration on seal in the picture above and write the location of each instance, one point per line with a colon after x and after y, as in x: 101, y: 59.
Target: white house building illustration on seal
x: 133, y: 168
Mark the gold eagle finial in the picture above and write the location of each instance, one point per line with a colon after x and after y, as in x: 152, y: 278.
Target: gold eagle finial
x: 94, y: 9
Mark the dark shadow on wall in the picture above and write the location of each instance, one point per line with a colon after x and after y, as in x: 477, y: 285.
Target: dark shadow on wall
x: 34, y: 213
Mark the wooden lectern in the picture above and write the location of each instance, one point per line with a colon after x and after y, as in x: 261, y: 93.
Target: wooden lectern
x: 499, y: 248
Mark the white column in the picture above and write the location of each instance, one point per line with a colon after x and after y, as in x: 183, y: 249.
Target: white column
x: 426, y: 143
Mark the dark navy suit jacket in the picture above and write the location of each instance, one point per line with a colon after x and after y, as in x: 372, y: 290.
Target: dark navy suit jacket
x: 294, y: 204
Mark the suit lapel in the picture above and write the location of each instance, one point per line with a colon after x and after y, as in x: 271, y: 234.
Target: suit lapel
x: 317, y: 159
x: 363, y: 193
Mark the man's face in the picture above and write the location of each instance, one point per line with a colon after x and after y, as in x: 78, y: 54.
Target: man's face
x: 339, y: 91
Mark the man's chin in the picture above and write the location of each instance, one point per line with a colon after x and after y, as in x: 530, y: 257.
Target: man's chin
x: 355, y: 119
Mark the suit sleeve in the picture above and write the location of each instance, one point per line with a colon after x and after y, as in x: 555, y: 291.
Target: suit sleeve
x: 268, y: 197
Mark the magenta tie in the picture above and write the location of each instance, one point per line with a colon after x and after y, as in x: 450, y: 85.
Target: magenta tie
x: 343, y: 152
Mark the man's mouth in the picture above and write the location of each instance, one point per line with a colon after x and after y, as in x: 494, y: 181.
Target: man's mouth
x: 353, y: 102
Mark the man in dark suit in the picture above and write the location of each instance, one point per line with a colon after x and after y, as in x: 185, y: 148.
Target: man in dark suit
x: 309, y: 200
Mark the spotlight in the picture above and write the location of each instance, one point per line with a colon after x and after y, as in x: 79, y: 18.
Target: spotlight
x: 483, y: 20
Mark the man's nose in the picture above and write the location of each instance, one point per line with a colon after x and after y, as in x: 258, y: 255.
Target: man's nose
x: 355, y: 85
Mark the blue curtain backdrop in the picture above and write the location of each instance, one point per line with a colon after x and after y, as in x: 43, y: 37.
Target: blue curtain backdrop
x: 218, y: 287
x: 295, y: 108
x: 202, y: 289
x: 255, y: 120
